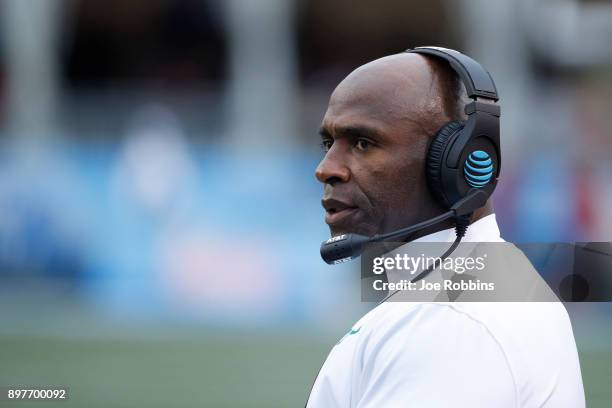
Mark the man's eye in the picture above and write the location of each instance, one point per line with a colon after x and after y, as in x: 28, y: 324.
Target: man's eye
x: 326, y: 144
x: 363, y: 144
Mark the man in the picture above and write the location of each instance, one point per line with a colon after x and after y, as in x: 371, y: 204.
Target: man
x: 376, y: 133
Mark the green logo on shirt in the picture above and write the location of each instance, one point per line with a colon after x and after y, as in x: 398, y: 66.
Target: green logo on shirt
x: 351, y: 332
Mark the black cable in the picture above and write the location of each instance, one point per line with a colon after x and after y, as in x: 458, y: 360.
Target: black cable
x: 441, y: 259
x: 461, y: 225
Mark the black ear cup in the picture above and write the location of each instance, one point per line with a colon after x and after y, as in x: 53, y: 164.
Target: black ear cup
x: 434, y: 159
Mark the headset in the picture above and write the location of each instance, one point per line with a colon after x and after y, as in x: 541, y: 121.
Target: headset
x: 462, y: 165
x: 464, y: 155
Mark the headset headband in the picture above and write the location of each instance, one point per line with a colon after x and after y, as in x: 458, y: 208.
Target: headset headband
x: 476, y: 79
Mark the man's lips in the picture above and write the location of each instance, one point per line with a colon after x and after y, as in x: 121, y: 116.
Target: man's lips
x: 336, y: 210
x: 335, y: 217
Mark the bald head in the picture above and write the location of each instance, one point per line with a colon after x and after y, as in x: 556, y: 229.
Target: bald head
x: 412, y: 89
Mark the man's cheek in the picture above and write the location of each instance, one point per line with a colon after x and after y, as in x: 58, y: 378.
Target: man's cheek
x: 373, y: 212
x: 395, y: 205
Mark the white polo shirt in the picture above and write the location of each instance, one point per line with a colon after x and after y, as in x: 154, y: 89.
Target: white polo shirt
x: 434, y: 354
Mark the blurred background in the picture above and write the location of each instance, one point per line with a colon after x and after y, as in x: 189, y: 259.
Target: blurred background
x: 159, y: 217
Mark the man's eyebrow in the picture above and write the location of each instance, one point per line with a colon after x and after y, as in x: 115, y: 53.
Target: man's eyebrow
x: 352, y: 131
x: 357, y: 131
x: 324, y: 133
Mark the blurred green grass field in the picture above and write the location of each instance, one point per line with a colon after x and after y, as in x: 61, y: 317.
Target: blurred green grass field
x: 245, y: 370
x: 248, y: 371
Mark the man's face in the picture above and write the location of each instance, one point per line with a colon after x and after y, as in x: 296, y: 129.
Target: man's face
x: 373, y: 170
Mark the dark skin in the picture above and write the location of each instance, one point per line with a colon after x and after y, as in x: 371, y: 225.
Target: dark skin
x: 376, y: 131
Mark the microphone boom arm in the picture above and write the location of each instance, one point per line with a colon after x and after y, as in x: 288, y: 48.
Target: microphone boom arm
x: 343, y: 248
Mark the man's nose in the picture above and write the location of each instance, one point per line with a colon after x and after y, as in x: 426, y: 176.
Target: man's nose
x: 332, y: 169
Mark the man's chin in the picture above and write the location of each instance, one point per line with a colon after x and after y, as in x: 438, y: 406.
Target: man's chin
x: 337, y: 232
x: 341, y: 230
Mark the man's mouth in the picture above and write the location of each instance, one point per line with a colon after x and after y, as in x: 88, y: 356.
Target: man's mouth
x: 337, y: 210
x: 334, y: 217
